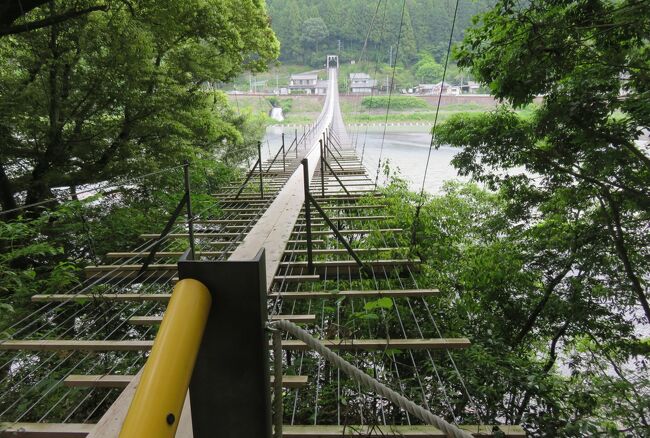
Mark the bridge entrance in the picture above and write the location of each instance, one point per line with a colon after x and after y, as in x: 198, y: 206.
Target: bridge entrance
x: 332, y: 61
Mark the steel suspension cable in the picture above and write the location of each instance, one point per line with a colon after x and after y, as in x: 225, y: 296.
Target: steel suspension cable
x: 390, y: 91
x: 435, y: 121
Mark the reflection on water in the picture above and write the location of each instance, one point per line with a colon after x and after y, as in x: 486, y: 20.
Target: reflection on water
x: 405, y: 148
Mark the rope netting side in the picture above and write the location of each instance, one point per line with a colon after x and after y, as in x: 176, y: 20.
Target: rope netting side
x: 366, y: 380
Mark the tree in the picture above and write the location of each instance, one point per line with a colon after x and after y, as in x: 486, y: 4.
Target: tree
x: 552, y: 346
x: 575, y: 171
x: 591, y: 63
x: 426, y: 26
x: 427, y: 70
x: 314, y: 31
x: 111, y: 94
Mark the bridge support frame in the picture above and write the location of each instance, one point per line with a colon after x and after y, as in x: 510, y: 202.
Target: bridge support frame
x: 310, y: 201
x: 230, y: 390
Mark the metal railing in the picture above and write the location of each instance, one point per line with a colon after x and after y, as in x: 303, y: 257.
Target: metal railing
x: 158, y: 401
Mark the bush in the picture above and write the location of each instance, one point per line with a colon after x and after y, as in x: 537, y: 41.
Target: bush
x: 396, y: 102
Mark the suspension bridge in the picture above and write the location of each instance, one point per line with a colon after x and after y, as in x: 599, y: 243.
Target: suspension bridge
x: 304, y: 239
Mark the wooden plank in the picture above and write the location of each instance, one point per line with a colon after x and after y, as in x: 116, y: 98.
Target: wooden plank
x: 73, y: 345
x: 185, y: 235
x: 339, y: 344
x: 161, y: 298
x: 296, y: 278
x: 130, y: 267
x: 122, y: 381
x: 45, y: 430
x: 120, y: 255
x: 357, y: 218
x: 222, y: 221
x: 295, y: 318
x: 98, y: 380
x: 154, y: 320
x: 304, y: 242
x: 357, y: 294
x: 317, y: 251
x: 322, y: 431
x: 381, y: 344
x: 349, y: 263
x: 350, y: 207
x: 80, y: 430
x: 326, y: 232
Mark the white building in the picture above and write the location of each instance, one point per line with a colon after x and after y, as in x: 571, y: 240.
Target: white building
x: 429, y: 89
x: 307, y: 83
x: 470, y: 87
x: 361, y: 83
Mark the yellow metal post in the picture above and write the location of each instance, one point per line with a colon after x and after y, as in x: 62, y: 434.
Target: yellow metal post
x: 156, y: 407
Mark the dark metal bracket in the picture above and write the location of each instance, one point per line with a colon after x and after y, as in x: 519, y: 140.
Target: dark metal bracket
x: 336, y: 176
x: 284, y: 165
x: 186, y: 201
x: 257, y: 164
x: 310, y: 201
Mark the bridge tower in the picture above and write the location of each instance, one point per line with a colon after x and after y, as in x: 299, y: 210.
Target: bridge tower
x: 332, y: 60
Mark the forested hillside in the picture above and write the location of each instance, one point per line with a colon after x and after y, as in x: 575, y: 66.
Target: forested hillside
x: 307, y: 30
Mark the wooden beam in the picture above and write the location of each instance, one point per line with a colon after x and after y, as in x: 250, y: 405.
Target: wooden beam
x: 120, y: 255
x: 322, y: 431
x: 300, y: 241
x: 350, y: 263
x: 80, y: 430
x: 98, y: 380
x: 161, y: 298
x: 184, y: 235
x: 357, y: 294
x: 381, y: 344
x: 316, y: 251
x: 327, y: 232
x: 45, y: 430
x: 122, y: 381
x: 357, y: 218
x: 155, y: 320
x: 350, y: 207
x: 138, y: 345
x: 73, y: 345
x: 296, y: 278
x: 136, y: 267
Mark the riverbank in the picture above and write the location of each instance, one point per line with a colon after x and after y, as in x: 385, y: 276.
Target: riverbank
x: 305, y: 109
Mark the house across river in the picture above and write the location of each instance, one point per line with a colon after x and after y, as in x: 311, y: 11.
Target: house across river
x: 307, y: 83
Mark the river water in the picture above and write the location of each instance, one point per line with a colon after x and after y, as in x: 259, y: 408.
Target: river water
x: 405, y: 148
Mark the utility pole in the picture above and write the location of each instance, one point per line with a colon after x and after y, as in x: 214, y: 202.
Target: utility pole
x: 339, y: 47
x: 390, y: 57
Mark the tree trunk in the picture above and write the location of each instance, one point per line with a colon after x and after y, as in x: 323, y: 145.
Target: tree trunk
x: 548, y: 291
x: 39, y: 188
x: 618, y: 236
x: 7, y: 200
x: 552, y: 357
